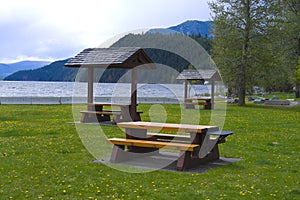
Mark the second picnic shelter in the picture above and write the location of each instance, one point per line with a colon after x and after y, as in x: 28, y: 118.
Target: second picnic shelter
x: 201, y: 75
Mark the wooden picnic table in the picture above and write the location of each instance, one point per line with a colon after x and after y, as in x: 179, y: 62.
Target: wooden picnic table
x: 96, y: 113
x: 138, y: 140
x: 189, y: 103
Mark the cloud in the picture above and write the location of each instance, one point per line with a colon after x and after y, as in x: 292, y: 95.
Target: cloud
x: 61, y: 28
x: 26, y: 38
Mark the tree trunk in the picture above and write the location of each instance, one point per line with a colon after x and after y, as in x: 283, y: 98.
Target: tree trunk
x: 241, y: 89
x: 297, y: 92
x: 244, y: 63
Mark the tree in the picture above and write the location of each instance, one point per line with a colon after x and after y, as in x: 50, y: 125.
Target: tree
x: 291, y: 29
x: 240, y: 27
x: 297, y: 78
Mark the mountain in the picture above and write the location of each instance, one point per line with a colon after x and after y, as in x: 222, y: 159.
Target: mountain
x: 190, y: 27
x: 4, y: 70
x: 52, y: 72
x: 7, y: 69
x: 56, y: 71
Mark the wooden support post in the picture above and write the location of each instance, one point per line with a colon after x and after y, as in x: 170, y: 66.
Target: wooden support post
x: 185, y: 89
x: 133, y: 109
x: 90, y: 86
x: 212, y: 94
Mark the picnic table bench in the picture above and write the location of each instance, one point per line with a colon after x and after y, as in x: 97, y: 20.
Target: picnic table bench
x: 189, y: 103
x: 199, y: 146
x: 97, y: 113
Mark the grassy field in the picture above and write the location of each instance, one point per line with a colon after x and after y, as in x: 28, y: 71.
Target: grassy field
x: 42, y: 157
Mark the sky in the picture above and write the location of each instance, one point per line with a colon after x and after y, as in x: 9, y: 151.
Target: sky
x: 59, y: 29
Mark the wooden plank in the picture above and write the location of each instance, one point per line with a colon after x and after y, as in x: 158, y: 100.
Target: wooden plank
x: 163, y: 136
x: 168, y: 126
x: 198, y: 98
x: 153, y: 144
x: 106, y: 104
x: 104, y: 112
x: 195, y: 103
x: 169, y: 136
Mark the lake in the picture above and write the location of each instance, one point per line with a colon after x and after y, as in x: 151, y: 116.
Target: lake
x: 39, y: 89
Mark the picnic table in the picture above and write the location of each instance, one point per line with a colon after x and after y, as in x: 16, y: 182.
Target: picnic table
x: 192, y: 146
x: 189, y: 103
x: 96, y: 113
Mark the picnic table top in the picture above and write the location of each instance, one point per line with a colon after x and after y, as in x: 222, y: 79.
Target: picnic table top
x: 168, y: 126
x: 198, y: 98
x: 107, y: 104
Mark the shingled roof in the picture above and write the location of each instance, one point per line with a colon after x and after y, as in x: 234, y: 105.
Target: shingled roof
x: 203, y: 74
x: 122, y: 57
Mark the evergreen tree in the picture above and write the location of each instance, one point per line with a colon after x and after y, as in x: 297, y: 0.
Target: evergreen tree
x: 239, y: 43
x: 291, y: 35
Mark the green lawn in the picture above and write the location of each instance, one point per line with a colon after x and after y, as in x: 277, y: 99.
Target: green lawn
x: 42, y: 157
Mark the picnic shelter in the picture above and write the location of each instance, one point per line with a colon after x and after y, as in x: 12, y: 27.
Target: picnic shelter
x: 201, y: 75
x: 124, y: 58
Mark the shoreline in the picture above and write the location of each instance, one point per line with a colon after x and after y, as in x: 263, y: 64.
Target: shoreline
x: 83, y: 100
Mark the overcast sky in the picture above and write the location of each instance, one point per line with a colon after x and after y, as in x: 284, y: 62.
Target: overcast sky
x: 58, y: 29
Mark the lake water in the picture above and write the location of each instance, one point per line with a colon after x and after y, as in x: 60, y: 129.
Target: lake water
x: 69, y: 89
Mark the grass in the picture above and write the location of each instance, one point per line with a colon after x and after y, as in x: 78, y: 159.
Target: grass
x: 42, y: 157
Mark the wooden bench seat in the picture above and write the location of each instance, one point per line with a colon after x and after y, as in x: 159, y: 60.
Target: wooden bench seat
x: 189, y: 103
x: 163, y: 136
x: 195, y: 103
x: 98, y: 116
x: 104, y: 112
x: 104, y: 115
x: 107, y: 104
x: 153, y: 144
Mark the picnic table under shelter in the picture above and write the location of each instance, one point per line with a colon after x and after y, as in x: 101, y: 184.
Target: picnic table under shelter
x: 124, y: 58
x: 201, y: 75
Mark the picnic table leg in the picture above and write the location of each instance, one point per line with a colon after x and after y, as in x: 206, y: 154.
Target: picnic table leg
x: 214, y: 154
x: 188, y: 105
x: 117, y: 154
x: 184, y: 160
x: 133, y: 115
x: 125, y: 114
x: 208, y: 105
x: 93, y: 118
x: 84, y: 118
x: 196, y: 139
x: 87, y: 117
x: 211, y: 156
x: 92, y: 107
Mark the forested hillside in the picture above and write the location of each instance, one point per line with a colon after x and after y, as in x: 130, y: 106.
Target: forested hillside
x: 7, y: 69
x: 52, y: 72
